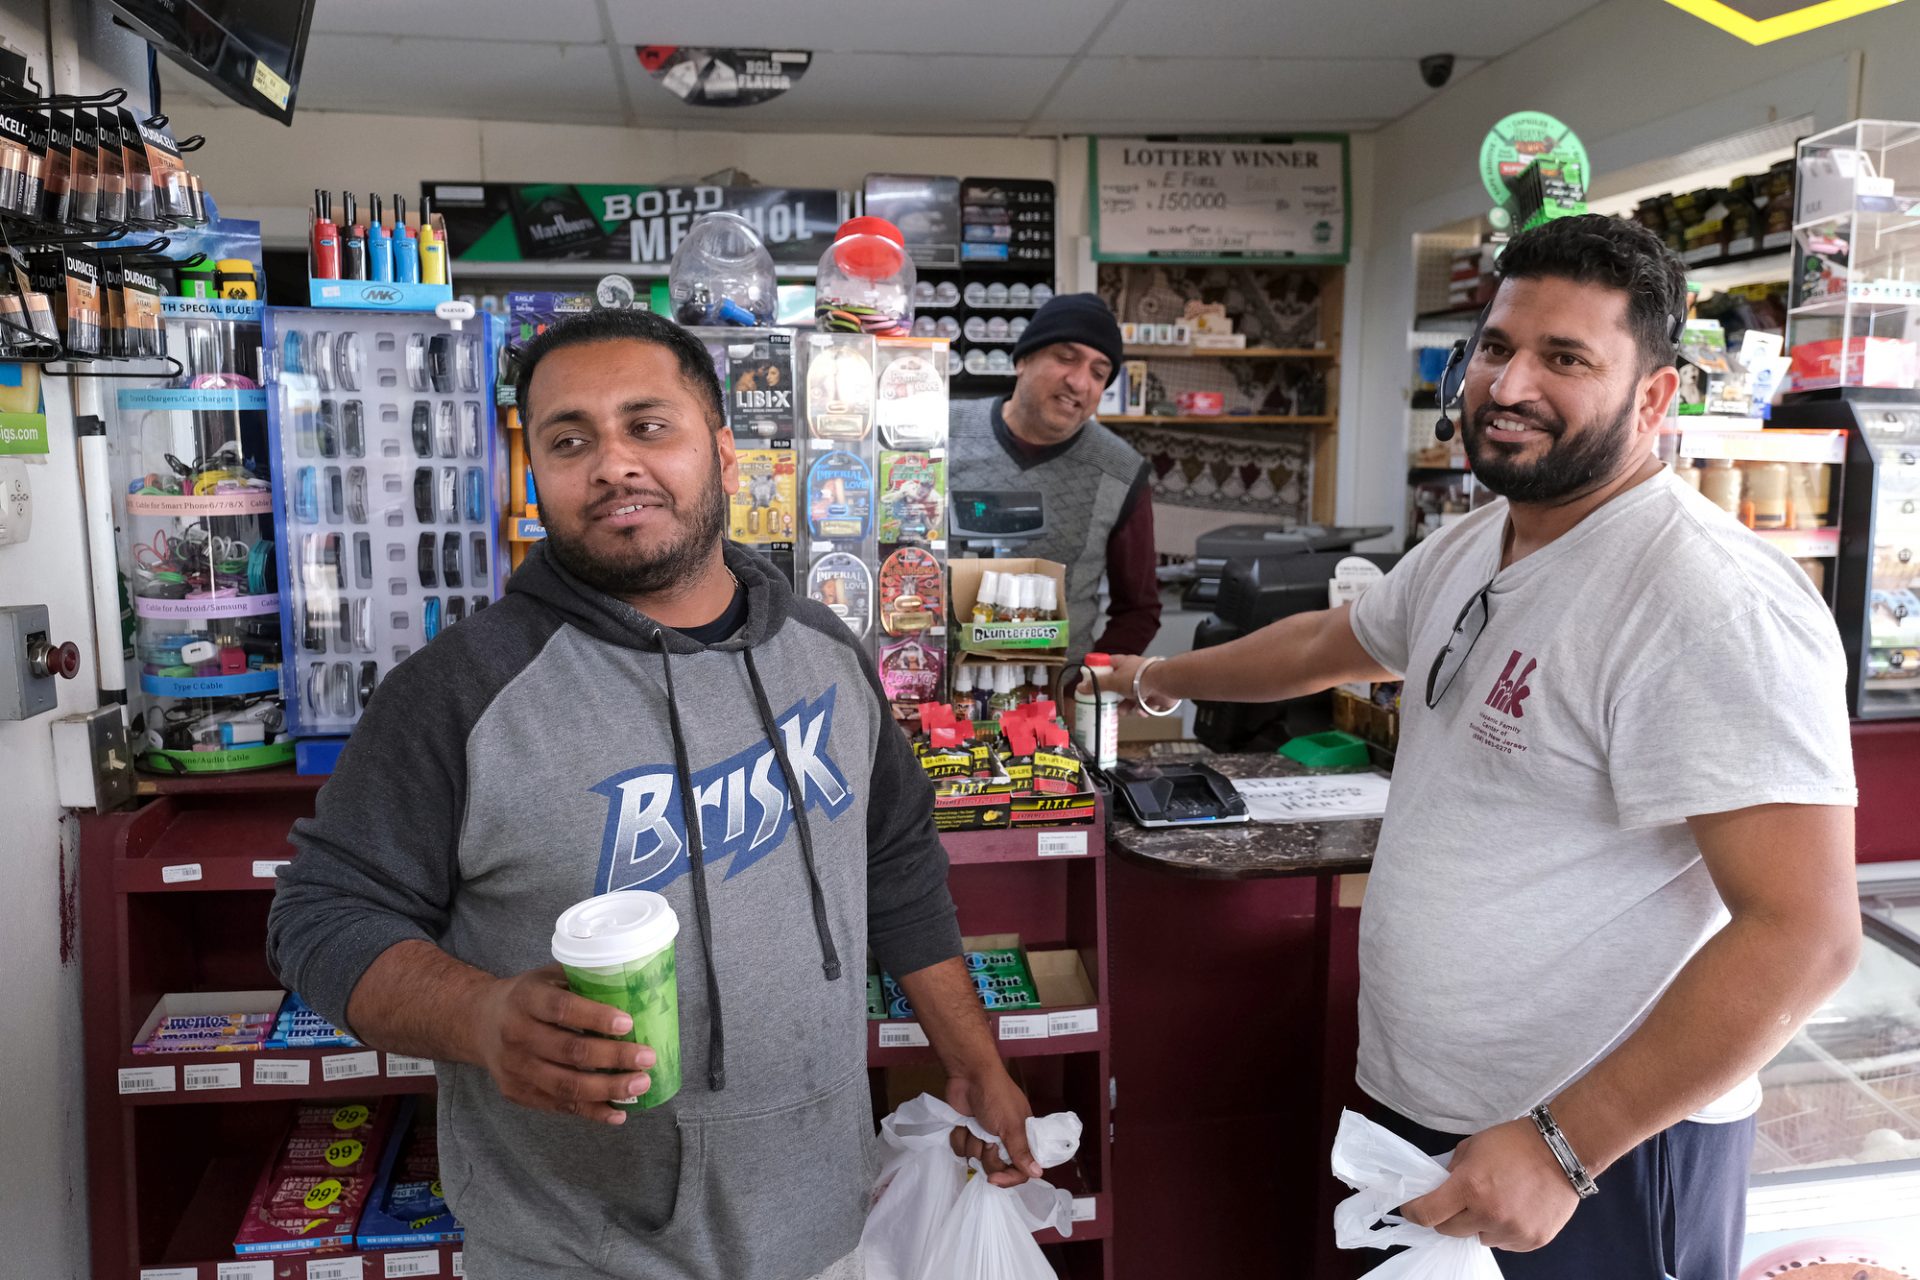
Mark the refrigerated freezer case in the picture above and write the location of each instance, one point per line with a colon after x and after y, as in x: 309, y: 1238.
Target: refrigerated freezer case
x: 1836, y: 1161
x: 1877, y: 595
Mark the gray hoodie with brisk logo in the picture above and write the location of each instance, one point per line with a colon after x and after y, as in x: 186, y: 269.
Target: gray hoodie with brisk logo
x: 558, y: 745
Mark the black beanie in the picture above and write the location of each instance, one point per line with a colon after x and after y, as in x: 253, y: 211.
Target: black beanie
x: 1074, y: 317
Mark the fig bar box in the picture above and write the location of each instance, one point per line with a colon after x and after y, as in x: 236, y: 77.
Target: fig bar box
x: 309, y: 1197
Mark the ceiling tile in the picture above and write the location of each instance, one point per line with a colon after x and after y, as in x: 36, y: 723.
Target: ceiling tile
x: 462, y: 78
x: 1331, y: 28
x: 553, y: 21
x: 867, y: 26
x: 875, y: 93
x: 1179, y: 93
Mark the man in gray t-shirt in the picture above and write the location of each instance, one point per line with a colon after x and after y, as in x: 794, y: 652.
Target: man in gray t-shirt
x: 1616, y: 871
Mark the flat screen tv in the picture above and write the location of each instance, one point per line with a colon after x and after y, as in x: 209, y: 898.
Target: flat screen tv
x: 250, y: 50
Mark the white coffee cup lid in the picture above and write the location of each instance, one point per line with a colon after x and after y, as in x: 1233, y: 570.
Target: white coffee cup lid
x: 614, y: 928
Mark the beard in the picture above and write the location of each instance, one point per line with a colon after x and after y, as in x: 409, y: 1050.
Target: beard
x: 1570, y: 466
x: 635, y: 571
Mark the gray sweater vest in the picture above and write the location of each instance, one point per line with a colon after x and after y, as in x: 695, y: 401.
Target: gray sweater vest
x: 1084, y: 490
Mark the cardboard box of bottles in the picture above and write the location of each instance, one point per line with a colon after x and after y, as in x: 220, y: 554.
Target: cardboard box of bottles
x: 991, y: 638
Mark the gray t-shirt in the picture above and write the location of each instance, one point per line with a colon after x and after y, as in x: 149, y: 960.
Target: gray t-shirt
x: 1536, y: 887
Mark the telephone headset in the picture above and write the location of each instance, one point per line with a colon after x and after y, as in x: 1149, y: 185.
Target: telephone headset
x: 1453, y: 378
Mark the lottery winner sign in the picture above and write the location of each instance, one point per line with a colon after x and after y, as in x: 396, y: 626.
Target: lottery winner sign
x: 1220, y: 199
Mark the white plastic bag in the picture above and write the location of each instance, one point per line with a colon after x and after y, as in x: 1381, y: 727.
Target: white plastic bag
x: 1385, y: 1172
x: 922, y: 1187
x: 988, y: 1235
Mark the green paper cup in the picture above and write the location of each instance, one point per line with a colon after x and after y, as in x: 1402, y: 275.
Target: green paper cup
x: 617, y: 949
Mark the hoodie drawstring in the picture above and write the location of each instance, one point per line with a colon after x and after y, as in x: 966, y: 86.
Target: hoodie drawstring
x: 697, y: 862
x: 829, y: 957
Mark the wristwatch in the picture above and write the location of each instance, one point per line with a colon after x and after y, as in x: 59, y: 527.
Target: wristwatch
x: 1583, y: 1185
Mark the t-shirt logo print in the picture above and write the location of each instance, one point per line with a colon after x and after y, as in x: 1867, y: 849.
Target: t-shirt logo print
x: 743, y: 804
x: 1510, y: 691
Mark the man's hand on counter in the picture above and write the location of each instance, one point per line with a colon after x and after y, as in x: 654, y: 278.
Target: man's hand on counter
x: 1504, y: 1186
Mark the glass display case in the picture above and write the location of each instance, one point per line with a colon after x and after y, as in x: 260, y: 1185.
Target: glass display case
x: 1856, y: 281
x: 1836, y: 1160
x: 1853, y: 332
x: 1785, y: 485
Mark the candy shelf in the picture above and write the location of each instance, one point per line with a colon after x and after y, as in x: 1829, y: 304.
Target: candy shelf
x: 174, y: 897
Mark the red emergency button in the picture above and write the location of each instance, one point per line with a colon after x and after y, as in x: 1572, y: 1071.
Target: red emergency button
x: 54, y: 660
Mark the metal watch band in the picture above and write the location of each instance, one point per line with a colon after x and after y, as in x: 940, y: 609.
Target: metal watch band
x: 1583, y: 1185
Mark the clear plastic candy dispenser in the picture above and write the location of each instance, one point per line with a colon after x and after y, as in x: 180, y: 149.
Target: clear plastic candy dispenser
x: 200, y: 555
x: 865, y: 284
x: 722, y: 274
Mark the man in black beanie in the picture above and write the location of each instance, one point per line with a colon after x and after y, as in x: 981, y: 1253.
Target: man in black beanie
x: 1096, y: 489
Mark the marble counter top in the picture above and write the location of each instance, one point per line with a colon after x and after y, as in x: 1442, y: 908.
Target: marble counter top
x: 1243, y: 850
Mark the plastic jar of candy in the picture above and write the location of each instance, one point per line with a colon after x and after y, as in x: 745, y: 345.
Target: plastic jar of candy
x: 866, y: 281
x: 722, y: 274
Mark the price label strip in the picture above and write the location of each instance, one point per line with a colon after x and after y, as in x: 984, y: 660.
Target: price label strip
x: 1062, y: 844
x: 146, y: 1080
x: 214, y: 1075
x: 336, y: 1269
x: 255, y: 1270
x: 1073, y: 1022
x: 425, y: 1262
x: 1024, y: 1026
x: 902, y: 1035
x: 400, y: 1065
x: 293, y: 1071
x: 180, y: 873
x: 349, y: 1066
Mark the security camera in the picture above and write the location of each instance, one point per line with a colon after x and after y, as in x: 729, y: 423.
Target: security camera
x: 1436, y: 69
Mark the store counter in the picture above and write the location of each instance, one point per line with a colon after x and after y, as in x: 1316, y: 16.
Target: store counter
x: 1233, y: 963
x: 1246, y: 850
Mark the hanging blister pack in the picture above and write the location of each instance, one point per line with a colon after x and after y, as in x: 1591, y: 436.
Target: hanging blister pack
x: 839, y: 498
x: 840, y: 387
x: 764, y: 510
x: 913, y: 597
x: 913, y: 498
x: 910, y: 407
x: 840, y: 581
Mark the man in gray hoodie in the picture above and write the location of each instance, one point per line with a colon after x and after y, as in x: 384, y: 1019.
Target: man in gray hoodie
x: 648, y: 707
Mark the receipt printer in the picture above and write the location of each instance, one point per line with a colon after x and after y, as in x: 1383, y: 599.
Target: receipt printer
x: 1176, y: 794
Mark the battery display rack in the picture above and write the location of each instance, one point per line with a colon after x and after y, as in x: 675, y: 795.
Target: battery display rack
x: 200, y: 552
x: 1006, y: 274
x: 388, y: 513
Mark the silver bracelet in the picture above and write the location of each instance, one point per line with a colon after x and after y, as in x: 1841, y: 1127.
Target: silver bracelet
x: 1140, y: 699
x: 1583, y: 1185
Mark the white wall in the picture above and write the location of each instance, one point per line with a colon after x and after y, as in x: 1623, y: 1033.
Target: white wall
x: 42, y: 1152
x: 1639, y: 81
